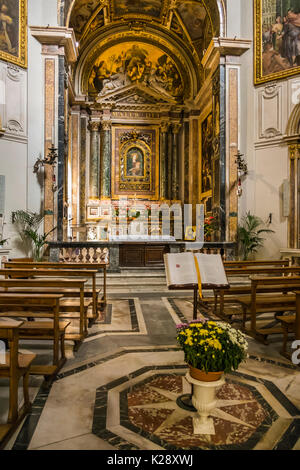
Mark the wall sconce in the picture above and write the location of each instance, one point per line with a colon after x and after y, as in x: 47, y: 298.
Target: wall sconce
x: 48, y: 160
x: 242, y: 171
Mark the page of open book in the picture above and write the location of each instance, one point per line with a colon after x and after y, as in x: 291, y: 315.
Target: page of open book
x: 211, y: 269
x: 180, y: 269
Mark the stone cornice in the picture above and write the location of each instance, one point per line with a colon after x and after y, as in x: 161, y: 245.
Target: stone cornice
x: 224, y: 47
x: 59, y: 36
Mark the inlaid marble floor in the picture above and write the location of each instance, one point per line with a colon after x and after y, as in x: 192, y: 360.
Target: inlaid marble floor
x: 119, y: 390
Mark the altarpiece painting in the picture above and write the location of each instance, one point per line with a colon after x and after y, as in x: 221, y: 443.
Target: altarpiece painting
x: 135, y: 162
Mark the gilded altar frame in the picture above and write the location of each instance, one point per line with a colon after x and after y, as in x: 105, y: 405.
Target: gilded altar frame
x: 128, y: 185
x: 259, y: 77
x: 20, y: 57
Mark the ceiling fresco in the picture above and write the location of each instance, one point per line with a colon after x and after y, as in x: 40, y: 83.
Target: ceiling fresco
x: 82, y: 12
x: 137, y: 7
x: 193, y: 16
x: 186, y: 25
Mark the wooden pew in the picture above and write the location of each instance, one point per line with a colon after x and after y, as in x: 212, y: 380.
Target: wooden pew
x: 223, y: 296
x: 15, y: 366
x: 40, y: 307
x: 263, y: 303
x: 256, y: 263
x: 291, y: 324
x: 52, y: 265
x: 59, y: 273
x: 67, y: 288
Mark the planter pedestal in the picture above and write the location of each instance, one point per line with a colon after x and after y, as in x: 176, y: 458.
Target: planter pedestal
x: 204, y: 400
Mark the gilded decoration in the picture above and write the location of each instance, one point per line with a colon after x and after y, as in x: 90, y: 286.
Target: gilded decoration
x: 277, y: 43
x: 135, y: 63
x: 13, y: 31
x: 177, y: 60
x: 137, y: 7
x: 206, y: 155
x: 135, y: 162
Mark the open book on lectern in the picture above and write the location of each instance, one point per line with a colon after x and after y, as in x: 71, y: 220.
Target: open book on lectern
x: 181, y: 270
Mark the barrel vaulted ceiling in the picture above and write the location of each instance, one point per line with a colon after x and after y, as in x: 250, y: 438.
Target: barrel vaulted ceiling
x: 187, y: 25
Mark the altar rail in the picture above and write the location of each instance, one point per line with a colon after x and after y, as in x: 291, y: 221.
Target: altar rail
x: 109, y: 252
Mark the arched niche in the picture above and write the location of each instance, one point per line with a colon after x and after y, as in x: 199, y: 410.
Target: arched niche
x: 156, y: 44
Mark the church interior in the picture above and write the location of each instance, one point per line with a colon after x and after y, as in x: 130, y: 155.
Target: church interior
x: 136, y: 137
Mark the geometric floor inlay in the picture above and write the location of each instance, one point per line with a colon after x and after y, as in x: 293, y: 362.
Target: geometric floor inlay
x: 249, y: 413
x: 238, y: 414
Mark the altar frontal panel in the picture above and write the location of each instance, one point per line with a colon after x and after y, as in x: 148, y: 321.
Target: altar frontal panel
x: 135, y: 162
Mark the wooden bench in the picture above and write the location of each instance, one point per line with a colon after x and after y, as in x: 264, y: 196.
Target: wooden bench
x: 255, y: 263
x: 40, y: 307
x: 78, y: 266
x: 291, y: 324
x: 16, y: 365
x: 222, y: 296
x: 68, y: 289
x: 263, y: 303
x: 60, y: 274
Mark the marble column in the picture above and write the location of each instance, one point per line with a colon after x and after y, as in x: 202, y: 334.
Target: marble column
x: 164, y: 160
x: 82, y: 168
x: 94, y: 181
x: 106, y: 159
x: 175, y: 162
x: 59, y: 50
x: 169, y: 163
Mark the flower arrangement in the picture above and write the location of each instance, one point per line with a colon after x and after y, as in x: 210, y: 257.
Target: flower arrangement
x: 209, y: 227
x: 212, y: 346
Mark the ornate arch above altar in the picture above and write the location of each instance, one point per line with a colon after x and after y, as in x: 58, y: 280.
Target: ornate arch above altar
x: 127, y: 57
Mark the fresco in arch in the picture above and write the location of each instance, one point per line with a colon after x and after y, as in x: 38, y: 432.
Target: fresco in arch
x: 81, y: 14
x: 135, y: 63
x: 140, y: 7
x: 193, y: 16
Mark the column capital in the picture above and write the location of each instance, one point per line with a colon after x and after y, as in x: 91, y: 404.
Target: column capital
x: 176, y: 126
x: 164, y: 126
x: 294, y: 151
x: 106, y: 125
x: 94, y: 126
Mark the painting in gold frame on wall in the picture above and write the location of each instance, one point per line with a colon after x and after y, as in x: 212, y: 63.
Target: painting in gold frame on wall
x: 207, y: 152
x: 13, y: 31
x: 277, y: 39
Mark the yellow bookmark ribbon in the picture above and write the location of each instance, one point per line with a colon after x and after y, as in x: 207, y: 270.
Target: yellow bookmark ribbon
x: 199, y: 277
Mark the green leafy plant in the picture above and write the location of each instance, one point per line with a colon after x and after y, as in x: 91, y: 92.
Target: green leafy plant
x: 249, y: 235
x: 3, y: 241
x: 27, y: 224
x: 212, y: 346
x: 38, y: 241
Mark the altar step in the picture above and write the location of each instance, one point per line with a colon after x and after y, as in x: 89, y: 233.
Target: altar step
x: 139, y: 281
x: 143, y: 280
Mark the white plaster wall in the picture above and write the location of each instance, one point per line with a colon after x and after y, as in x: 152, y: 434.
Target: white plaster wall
x: 264, y: 113
x: 23, y: 116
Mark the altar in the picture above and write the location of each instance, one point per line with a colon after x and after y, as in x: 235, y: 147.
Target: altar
x: 129, y: 254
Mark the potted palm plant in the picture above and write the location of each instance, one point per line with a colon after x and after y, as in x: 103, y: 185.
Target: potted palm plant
x: 27, y: 224
x: 249, y: 235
